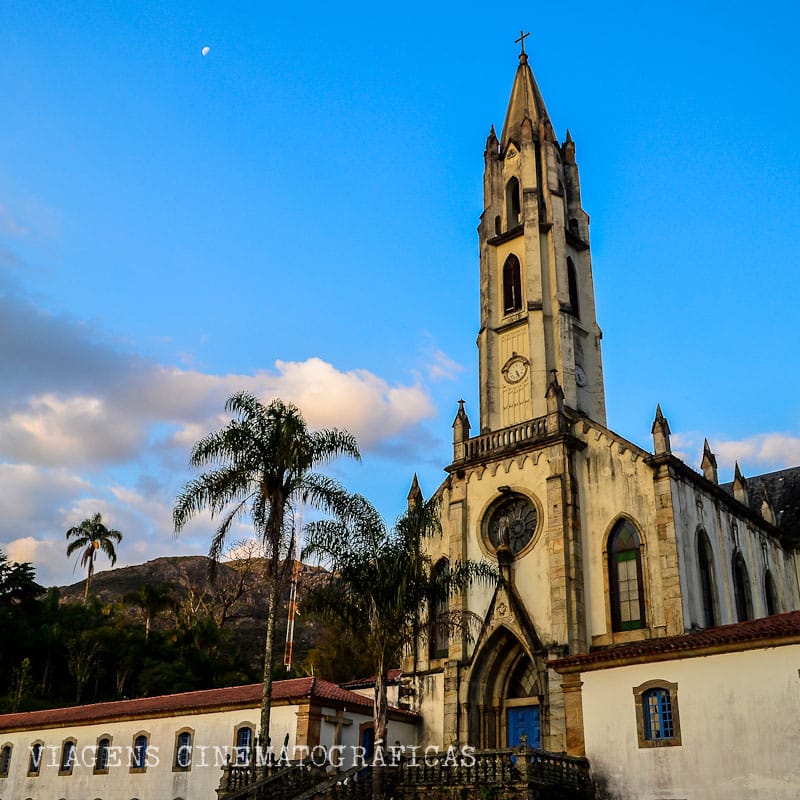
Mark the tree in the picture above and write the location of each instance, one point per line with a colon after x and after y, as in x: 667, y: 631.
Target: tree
x: 382, y: 584
x: 262, y: 467
x: 151, y: 598
x: 90, y: 536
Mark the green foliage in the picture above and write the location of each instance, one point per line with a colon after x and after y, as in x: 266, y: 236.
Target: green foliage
x: 261, y: 464
x: 383, y: 584
x: 55, y: 654
x: 90, y: 537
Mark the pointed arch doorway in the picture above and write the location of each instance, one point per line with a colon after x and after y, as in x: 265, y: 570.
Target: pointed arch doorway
x: 506, y: 694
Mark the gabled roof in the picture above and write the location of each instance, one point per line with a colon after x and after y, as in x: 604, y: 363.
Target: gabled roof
x: 204, y: 701
x: 774, y: 631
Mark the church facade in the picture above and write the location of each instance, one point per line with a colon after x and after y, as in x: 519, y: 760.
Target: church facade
x: 600, y: 543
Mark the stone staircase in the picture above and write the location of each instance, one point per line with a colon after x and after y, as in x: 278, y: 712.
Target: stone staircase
x: 522, y: 773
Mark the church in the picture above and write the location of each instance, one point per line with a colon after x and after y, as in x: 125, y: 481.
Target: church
x: 604, y: 547
x: 648, y: 617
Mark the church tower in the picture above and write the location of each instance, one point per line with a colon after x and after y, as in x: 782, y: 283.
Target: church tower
x: 537, y: 296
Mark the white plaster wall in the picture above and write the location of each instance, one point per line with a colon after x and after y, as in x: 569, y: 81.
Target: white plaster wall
x: 726, y: 530
x: 614, y: 480
x: 159, y: 781
x: 740, y: 727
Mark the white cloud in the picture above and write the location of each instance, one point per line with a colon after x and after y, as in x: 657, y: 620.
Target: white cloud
x: 762, y: 452
x: 443, y: 368
x: 86, y: 427
x: 75, y: 430
x: 776, y: 450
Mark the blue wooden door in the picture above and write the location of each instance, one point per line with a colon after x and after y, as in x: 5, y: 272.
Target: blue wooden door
x: 368, y: 743
x: 524, y: 719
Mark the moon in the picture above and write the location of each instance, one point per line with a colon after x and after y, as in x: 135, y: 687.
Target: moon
x: 206, y: 50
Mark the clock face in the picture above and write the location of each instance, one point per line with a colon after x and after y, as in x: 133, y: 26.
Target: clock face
x: 515, y: 369
x: 513, y: 524
x: 580, y: 375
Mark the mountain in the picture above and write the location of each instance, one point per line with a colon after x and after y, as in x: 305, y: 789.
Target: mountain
x: 237, y: 599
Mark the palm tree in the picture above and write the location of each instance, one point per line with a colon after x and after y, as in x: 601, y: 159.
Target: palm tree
x: 383, y: 584
x: 262, y: 467
x: 90, y: 536
x: 151, y: 598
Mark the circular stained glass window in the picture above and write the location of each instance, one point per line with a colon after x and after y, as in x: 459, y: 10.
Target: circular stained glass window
x: 513, y: 523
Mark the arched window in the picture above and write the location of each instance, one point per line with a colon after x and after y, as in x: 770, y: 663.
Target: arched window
x: 183, y: 750
x: 101, y: 755
x: 741, y: 589
x: 657, y: 707
x: 513, y: 204
x: 439, y: 635
x: 770, y: 595
x: 139, y: 752
x: 5, y: 760
x: 572, y: 281
x: 67, y: 757
x: 705, y: 566
x: 35, y: 760
x: 626, y: 587
x: 512, y: 285
x: 658, y: 722
x: 244, y: 744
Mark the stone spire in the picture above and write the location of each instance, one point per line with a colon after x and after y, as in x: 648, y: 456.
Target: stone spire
x: 661, y: 432
x: 709, y: 463
x: 526, y: 102
x: 739, y: 485
x: 415, y: 498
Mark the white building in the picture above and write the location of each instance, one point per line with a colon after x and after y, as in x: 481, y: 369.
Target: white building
x: 711, y: 715
x: 173, y: 747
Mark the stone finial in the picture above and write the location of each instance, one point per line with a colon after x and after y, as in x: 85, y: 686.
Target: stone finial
x: 554, y: 394
x: 415, y: 498
x: 709, y: 464
x: 554, y: 400
x: 661, y: 432
x: 568, y: 149
x: 767, y: 509
x: 461, y: 428
x: 491, y: 142
x: 739, y: 485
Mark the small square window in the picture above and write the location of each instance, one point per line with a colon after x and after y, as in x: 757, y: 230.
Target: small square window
x: 657, y: 720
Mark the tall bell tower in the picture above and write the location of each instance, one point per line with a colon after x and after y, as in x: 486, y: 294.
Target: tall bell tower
x: 537, y: 294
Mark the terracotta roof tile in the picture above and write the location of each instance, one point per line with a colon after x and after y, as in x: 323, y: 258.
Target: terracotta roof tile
x: 190, y: 702
x: 392, y: 676
x: 766, y: 632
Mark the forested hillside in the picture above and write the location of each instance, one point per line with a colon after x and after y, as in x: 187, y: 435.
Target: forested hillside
x: 155, y: 628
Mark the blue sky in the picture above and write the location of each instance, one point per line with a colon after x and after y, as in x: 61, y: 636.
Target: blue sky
x: 295, y: 214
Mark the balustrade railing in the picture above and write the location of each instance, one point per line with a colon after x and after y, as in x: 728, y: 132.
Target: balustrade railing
x: 498, y: 767
x: 267, y: 782
x: 486, y: 443
x: 414, y: 778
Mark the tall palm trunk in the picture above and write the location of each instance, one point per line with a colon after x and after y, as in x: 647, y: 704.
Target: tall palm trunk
x: 269, y: 644
x: 89, y: 574
x: 380, y: 713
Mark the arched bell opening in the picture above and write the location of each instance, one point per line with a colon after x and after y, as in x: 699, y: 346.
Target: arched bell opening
x: 507, y: 694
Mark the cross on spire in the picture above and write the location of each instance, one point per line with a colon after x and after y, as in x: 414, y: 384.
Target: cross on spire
x: 521, y: 41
